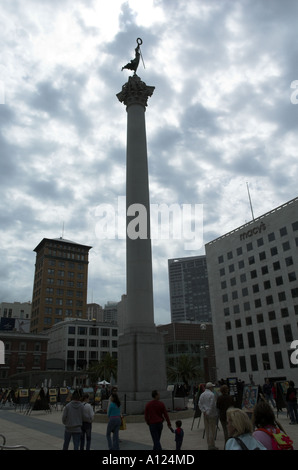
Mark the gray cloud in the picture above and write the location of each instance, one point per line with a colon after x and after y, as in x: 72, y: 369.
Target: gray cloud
x: 220, y: 116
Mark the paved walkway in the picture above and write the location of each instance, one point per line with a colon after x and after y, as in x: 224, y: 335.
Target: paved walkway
x: 42, y: 430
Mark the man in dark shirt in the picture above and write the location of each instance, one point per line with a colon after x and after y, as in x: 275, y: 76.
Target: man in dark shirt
x: 155, y: 414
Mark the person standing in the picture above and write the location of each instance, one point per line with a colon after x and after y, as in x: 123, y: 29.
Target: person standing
x: 88, y: 415
x: 155, y: 414
x: 72, y: 418
x: 223, y: 402
x: 291, y: 399
x: 207, y: 405
x: 179, y: 434
x: 114, y: 414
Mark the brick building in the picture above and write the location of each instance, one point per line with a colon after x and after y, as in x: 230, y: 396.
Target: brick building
x: 60, y: 283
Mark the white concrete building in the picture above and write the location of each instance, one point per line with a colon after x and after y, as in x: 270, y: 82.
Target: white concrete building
x: 74, y: 344
x: 253, y: 282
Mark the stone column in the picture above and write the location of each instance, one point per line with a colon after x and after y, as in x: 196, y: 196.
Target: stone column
x: 141, y: 355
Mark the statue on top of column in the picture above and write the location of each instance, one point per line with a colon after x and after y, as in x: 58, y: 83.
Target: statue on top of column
x: 134, y: 63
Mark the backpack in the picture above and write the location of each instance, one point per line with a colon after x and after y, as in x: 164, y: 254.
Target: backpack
x: 242, y: 445
x: 280, y: 440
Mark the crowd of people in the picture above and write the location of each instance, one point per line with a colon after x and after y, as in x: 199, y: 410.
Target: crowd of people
x: 242, y: 431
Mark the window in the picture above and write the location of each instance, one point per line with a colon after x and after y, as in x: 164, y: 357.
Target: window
x: 242, y: 361
x: 271, y: 315
x: 251, y: 339
x: 231, y: 268
x: 269, y: 300
x: 262, y: 255
x: 284, y: 312
x: 292, y: 276
x: 294, y: 292
x: 286, y: 246
x: 275, y: 335
x: 240, y: 341
x: 283, y: 231
x: 230, y: 343
x: 274, y: 251
x: 271, y: 237
x: 267, y: 284
x: 254, y: 362
x: 265, y: 270
x: 266, y: 362
x: 288, y: 333
x: 239, y: 250
x: 278, y: 360
x: 262, y: 336
x: 281, y: 296
x: 276, y: 265
x: 289, y: 261
x: 295, y: 226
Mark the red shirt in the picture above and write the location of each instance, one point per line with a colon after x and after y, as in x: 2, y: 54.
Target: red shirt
x: 155, y: 412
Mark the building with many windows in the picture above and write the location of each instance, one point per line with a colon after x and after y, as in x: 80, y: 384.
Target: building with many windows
x: 76, y: 344
x: 253, y: 282
x: 60, y: 283
x: 189, y: 289
x: 24, y: 354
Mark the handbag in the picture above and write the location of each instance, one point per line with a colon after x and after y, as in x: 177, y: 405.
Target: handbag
x: 123, y: 424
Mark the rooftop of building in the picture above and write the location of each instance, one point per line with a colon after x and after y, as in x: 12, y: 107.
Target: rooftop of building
x: 253, y: 221
x: 61, y: 240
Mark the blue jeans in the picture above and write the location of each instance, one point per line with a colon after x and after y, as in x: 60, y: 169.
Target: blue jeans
x: 86, y: 431
x: 76, y: 437
x: 113, y: 427
x: 155, y: 430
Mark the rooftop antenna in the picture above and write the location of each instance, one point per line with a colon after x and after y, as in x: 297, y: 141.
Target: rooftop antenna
x: 252, y: 213
x: 62, y: 230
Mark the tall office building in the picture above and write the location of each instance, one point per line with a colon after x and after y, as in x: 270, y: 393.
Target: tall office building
x: 60, y: 283
x: 253, y: 282
x: 189, y: 289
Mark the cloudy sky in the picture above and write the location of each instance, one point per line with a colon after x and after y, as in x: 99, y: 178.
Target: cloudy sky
x: 223, y: 115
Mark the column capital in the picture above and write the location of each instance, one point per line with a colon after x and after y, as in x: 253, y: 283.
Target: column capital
x: 135, y: 92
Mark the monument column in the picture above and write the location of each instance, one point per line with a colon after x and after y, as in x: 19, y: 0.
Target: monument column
x: 140, y: 310
x: 141, y: 354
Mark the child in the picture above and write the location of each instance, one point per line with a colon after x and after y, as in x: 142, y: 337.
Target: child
x: 179, y: 433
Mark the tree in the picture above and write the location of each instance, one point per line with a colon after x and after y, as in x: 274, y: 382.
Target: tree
x: 184, y: 370
x: 106, y: 367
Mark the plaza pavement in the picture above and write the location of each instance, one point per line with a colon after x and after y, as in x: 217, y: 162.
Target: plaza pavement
x: 41, y: 430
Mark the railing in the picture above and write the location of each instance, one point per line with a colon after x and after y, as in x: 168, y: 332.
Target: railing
x: 4, y: 447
